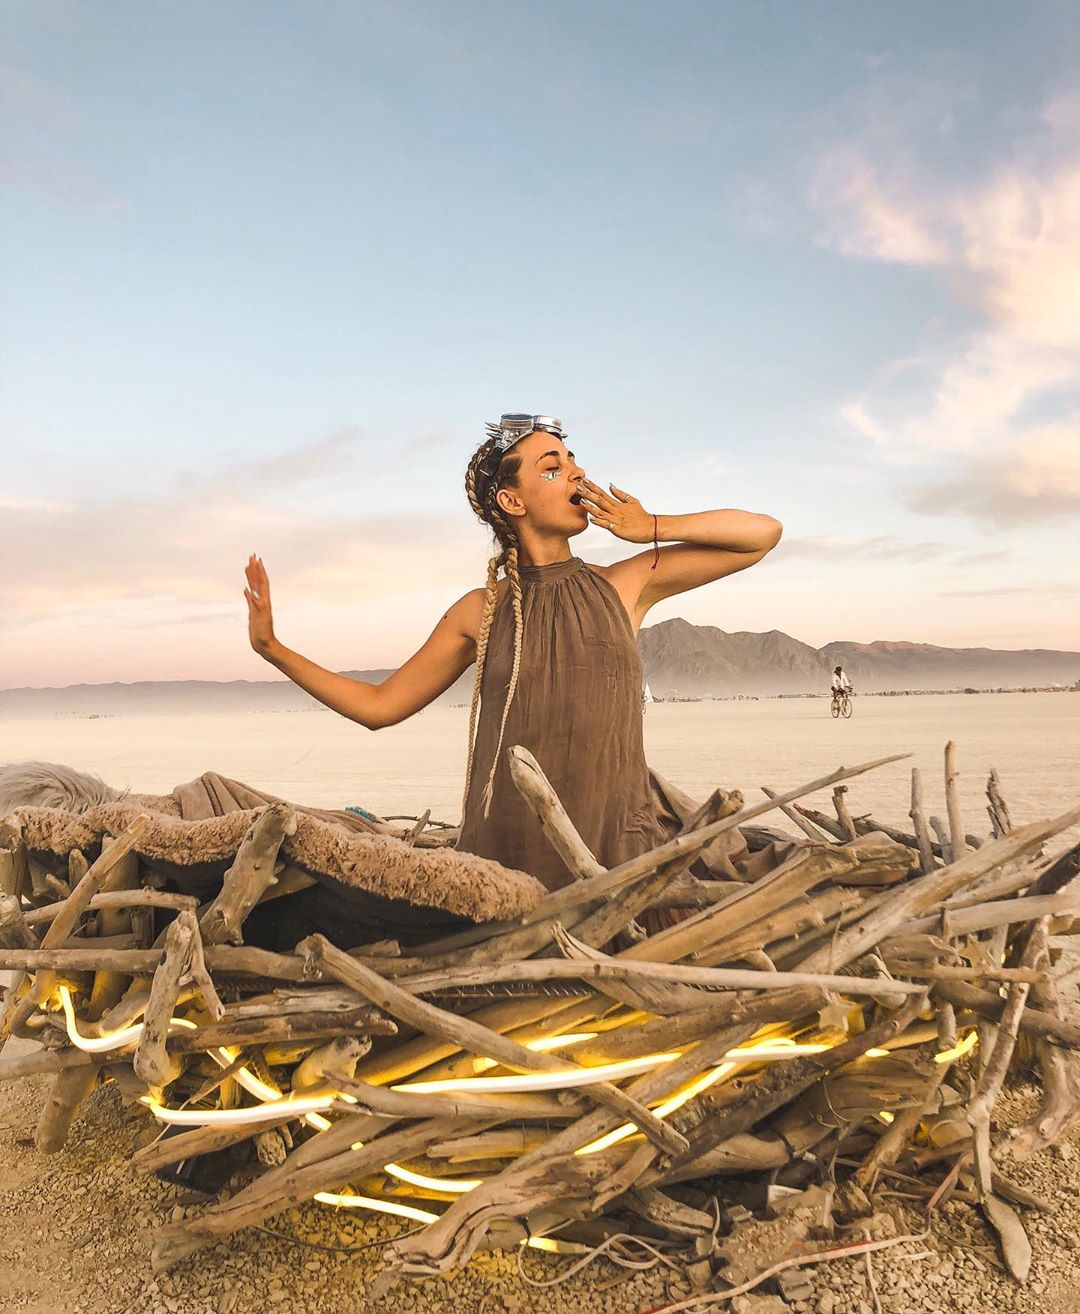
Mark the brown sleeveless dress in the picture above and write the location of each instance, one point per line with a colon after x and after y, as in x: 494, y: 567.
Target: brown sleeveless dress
x: 578, y: 710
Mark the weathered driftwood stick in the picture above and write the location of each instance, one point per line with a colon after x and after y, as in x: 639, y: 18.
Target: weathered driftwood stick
x: 676, y: 1032
x: 251, y: 873
x: 950, y: 922
x: 108, y: 987
x: 764, y: 1097
x: 196, y: 1141
x: 794, y: 919
x: 829, y: 825
x: 14, y: 931
x: 200, y: 974
x: 799, y: 817
x: 9, y: 843
x: 1000, y: 821
x: 140, y: 898
x: 990, y: 1081
x: 624, y: 969
x: 1033, y: 1021
x: 536, y: 790
x: 40, y: 1061
x: 957, y: 845
x: 843, y: 816
x: 944, y: 843
x: 244, y: 1032
x: 69, y: 1088
x: 384, y: 1102
x: 468, y: 1035
x: 918, y: 821
x: 152, y: 1061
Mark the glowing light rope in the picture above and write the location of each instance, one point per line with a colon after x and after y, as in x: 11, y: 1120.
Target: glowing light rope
x: 541, y: 1045
x: 350, y: 1200
x: 274, y: 1105
x: 965, y: 1046
x: 533, y: 1081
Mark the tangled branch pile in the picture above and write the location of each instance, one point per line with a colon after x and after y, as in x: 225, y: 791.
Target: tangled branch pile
x: 842, y: 1010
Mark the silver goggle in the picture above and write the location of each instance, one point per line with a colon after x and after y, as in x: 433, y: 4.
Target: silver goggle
x: 512, y: 427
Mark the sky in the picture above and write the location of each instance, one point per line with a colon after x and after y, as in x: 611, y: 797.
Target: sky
x: 269, y: 267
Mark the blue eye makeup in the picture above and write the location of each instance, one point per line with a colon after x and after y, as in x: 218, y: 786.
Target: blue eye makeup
x: 550, y: 475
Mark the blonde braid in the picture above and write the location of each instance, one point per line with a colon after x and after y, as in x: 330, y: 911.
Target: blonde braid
x: 487, y: 510
x: 515, y: 585
x: 481, y: 654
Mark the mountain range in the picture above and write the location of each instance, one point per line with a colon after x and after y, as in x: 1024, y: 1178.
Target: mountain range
x: 680, y: 660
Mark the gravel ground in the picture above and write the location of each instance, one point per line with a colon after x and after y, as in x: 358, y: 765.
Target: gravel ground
x: 76, y: 1234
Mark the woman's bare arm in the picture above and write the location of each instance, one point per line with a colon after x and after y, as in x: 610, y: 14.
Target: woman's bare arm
x: 707, y: 545
x: 449, y: 651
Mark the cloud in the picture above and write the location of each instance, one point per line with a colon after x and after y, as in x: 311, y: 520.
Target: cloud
x: 882, y: 547
x: 1037, y: 480
x: 187, y: 542
x: 993, y: 407
x: 1013, y: 590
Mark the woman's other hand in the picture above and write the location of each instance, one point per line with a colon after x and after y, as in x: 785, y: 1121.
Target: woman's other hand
x: 618, y: 511
x: 260, y: 616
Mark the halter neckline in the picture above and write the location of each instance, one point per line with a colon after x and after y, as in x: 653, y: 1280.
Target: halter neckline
x: 554, y: 570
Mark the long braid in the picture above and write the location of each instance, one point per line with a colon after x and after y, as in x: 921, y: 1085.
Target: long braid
x: 487, y: 510
x: 515, y: 586
x: 481, y: 654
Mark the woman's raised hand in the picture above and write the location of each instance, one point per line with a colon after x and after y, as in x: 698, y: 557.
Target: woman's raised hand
x: 260, y: 617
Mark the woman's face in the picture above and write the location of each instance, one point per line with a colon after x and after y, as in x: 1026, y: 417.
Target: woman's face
x: 548, y: 478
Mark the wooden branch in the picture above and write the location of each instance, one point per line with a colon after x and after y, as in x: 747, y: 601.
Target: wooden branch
x: 14, y: 931
x: 843, y: 816
x: 801, y: 819
x: 250, y: 875
x: 69, y: 1088
x: 152, y: 1061
x: 536, y: 790
x: 140, y: 898
x: 957, y: 845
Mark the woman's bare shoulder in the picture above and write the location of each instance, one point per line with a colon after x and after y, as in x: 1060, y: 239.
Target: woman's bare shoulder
x: 468, y: 611
x: 626, y: 583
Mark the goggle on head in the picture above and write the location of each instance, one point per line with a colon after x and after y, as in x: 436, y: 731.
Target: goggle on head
x: 512, y: 427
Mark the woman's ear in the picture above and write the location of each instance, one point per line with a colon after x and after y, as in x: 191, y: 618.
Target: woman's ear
x: 509, y: 502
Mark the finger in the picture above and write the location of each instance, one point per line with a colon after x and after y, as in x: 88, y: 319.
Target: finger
x: 626, y: 497
x: 598, y: 495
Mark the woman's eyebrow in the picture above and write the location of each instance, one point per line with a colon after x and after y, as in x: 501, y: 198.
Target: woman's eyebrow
x: 553, y: 452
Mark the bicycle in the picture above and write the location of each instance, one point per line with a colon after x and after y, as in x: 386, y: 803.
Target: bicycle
x: 841, y: 702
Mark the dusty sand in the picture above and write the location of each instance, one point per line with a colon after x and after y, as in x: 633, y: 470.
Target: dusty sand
x: 76, y: 1234
x: 320, y: 758
x: 77, y: 1226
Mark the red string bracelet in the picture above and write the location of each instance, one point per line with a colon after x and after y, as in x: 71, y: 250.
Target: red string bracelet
x: 656, y: 542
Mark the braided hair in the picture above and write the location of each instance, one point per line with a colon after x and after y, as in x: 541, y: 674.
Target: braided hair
x: 487, y: 473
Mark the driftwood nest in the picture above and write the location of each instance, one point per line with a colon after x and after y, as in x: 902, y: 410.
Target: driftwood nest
x: 836, y: 1019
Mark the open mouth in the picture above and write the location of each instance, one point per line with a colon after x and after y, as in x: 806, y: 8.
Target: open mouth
x: 575, y: 499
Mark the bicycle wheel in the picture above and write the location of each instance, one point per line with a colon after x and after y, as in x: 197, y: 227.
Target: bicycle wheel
x: 848, y: 707
x: 836, y: 707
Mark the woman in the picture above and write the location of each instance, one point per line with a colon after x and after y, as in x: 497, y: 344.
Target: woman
x: 554, y: 642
